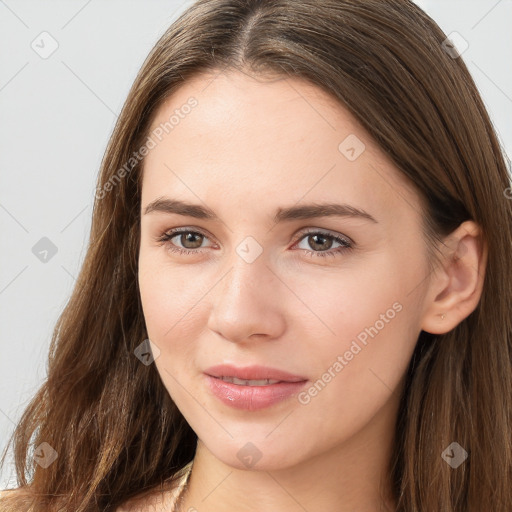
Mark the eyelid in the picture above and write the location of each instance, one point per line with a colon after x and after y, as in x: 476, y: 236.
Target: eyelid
x: 305, y: 231
x: 188, y: 229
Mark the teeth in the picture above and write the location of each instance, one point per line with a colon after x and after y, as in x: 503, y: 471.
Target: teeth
x: 241, y: 382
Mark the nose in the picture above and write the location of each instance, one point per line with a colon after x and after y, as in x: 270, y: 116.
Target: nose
x: 248, y: 303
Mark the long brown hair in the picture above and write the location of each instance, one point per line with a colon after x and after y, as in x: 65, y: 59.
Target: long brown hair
x: 110, y: 419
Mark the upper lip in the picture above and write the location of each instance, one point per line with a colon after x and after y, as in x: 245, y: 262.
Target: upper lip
x: 254, y: 372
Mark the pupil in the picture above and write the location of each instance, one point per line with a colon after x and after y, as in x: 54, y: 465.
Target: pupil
x: 188, y: 237
x: 321, y: 237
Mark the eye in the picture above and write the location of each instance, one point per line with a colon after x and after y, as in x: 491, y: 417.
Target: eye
x: 323, y: 243
x: 192, y: 240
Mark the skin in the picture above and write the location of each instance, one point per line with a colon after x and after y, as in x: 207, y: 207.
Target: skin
x: 250, y: 146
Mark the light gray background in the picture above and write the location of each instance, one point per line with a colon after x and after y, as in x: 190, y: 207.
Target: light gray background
x: 57, y: 114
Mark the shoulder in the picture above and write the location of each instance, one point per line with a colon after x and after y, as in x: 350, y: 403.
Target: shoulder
x: 20, y: 499
x: 158, y: 500
x: 154, y: 501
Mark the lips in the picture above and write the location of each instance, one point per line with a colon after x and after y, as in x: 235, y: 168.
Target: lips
x: 252, y: 388
x: 252, y: 373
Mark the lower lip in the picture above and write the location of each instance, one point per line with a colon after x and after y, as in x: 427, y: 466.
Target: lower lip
x: 252, y: 398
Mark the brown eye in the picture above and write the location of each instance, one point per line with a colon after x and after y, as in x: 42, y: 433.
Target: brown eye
x: 321, y: 243
x: 194, y: 239
x: 187, y: 241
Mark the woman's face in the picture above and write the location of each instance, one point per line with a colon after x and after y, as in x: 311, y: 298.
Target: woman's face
x: 268, y: 278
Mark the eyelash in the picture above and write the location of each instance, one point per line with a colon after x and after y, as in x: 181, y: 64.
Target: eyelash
x: 346, y: 245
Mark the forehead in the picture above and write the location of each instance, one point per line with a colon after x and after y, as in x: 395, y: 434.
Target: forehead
x: 261, y: 143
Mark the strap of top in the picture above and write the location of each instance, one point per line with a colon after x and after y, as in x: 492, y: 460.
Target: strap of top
x: 176, y: 494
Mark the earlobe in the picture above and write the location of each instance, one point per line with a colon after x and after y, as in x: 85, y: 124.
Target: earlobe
x: 457, y: 286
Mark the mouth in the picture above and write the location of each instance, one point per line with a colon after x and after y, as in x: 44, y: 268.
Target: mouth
x: 267, y: 386
x: 252, y: 375
x: 242, y: 382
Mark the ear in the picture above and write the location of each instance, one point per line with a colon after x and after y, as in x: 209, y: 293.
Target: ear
x: 456, y: 287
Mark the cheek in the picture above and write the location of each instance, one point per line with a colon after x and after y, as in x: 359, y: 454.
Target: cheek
x: 170, y: 296
x: 357, y: 380
x: 171, y: 306
x: 340, y: 303
x: 373, y: 316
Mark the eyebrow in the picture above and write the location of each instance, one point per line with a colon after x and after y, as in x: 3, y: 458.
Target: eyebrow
x: 305, y: 211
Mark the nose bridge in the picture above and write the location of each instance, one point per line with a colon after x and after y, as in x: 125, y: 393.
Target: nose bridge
x: 243, y: 304
x: 248, y: 270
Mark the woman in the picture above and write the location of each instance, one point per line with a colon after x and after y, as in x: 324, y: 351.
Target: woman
x: 296, y: 294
